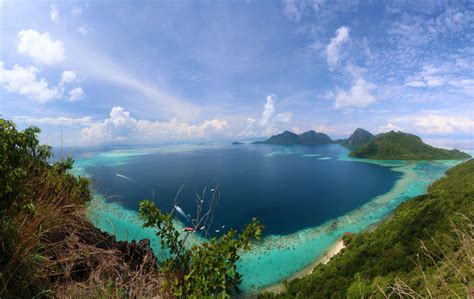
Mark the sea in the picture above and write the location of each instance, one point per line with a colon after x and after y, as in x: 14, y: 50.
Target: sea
x: 307, y: 197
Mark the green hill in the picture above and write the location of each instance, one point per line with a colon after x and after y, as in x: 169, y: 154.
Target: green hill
x: 289, y: 138
x: 360, y: 137
x: 404, y: 146
x: 424, y: 250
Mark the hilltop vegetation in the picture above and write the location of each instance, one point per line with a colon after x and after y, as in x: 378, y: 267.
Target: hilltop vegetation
x: 289, y: 138
x: 404, y: 146
x: 424, y: 250
x: 360, y: 137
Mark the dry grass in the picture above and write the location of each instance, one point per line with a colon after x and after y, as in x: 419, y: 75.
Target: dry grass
x: 452, y: 275
x: 57, y: 252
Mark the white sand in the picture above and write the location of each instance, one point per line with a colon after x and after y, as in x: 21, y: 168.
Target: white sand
x: 280, y: 287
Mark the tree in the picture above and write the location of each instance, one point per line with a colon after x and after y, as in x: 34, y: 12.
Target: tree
x: 209, y: 268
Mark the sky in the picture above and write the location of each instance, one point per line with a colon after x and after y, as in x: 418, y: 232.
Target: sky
x: 126, y: 72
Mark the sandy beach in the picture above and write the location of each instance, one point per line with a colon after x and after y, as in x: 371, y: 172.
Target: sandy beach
x: 279, y: 287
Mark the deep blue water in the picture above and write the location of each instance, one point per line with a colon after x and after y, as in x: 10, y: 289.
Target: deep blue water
x: 281, y: 185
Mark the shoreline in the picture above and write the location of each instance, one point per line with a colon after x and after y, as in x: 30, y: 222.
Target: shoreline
x: 324, y: 259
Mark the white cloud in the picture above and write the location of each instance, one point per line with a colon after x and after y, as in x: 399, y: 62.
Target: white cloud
x: 250, y: 121
x: 121, y: 126
x: 430, y: 122
x: 388, y: 127
x: 323, y: 129
x: 333, y: 49
x: 84, y: 29
x: 40, y: 47
x: 68, y: 77
x: 284, y: 117
x: 54, y: 13
x: 24, y: 82
x: 444, y: 124
x: 76, y: 94
x: 55, y: 121
x: 268, y: 110
x: 359, y: 95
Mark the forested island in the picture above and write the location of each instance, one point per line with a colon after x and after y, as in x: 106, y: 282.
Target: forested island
x: 403, y: 146
x: 384, y: 146
x: 289, y: 138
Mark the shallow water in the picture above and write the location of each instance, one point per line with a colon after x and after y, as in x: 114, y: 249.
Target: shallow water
x: 373, y: 190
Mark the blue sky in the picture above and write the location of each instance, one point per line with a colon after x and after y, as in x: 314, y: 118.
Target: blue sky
x: 101, y: 72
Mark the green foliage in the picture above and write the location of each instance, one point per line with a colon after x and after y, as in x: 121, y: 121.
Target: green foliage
x: 403, y: 146
x: 290, y: 138
x: 360, y: 137
x: 31, y: 193
x: 422, y: 245
x: 205, y: 269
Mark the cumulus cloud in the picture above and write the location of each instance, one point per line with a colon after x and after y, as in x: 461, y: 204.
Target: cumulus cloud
x: 359, y: 95
x: 23, y: 80
x: 54, y: 13
x: 40, y: 47
x: 444, y: 124
x: 333, y: 49
x: 268, y: 110
x: 122, y: 126
x: 75, y: 94
x: 68, y: 77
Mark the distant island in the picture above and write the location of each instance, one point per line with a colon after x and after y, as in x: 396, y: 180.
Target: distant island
x: 385, y: 146
x: 236, y: 143
x: 403, y: 146
x: 360, y: 137
x: 289, y: 138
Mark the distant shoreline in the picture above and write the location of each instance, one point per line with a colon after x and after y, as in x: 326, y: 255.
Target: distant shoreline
x: 280, y: 286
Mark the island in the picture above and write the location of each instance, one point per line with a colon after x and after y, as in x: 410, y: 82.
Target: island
x: 289, y: 138
x: 403, y: 146
x: 237, y: 143
x: 360, y: 137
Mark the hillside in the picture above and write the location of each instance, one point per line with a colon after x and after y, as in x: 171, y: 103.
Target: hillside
x: 404, y: 146
x: 424, y: 249
x: 360, y: 137
x: 289, y: 138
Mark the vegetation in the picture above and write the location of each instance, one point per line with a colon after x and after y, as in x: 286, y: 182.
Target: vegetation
x: 425, y: 249
x: 403, y: 146
x: 360, y: 137
x: 290, y: 138
x: 48, y: 248
x: 201, y: 270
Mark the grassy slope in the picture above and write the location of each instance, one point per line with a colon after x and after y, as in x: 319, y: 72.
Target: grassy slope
x: 403, y: 146
x: 432, y: 232
x: 48, y: 248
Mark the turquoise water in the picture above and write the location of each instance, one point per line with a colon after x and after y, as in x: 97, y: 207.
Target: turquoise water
x: 278, y: 256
